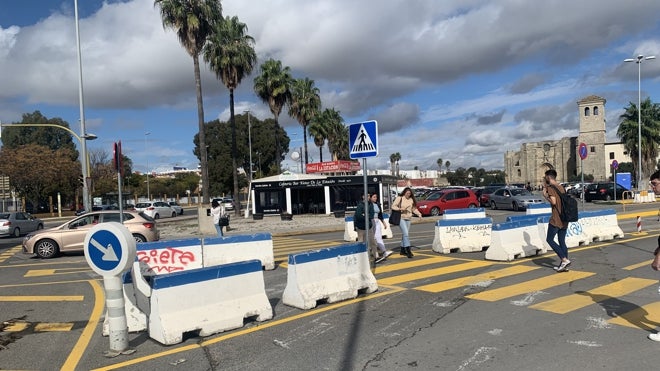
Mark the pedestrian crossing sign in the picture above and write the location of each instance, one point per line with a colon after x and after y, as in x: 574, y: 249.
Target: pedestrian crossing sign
x: 363, y: 139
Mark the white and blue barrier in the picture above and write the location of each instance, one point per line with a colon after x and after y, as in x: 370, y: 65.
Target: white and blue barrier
x: 231, y: 249
x: 644, y: 197
x: 514, y: 240
x: 575, y: 234
x: 208, y: 300
x: 464, y: 213
x: 518, y: 218
x: 464, y: 235
x: 350, y: 235
x: 540, y: 208
x: 332, y: 274
x: 600, y: 225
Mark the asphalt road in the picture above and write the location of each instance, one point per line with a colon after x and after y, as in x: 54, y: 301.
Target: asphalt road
x: 447, y: 312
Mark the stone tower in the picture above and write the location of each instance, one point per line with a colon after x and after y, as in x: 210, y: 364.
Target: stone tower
x: 591, y: 111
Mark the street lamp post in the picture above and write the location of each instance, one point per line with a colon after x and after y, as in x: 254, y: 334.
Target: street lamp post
x: 87, y: 203
x: 145, y: 148
x: 640, y: 58
x: 249, y: 144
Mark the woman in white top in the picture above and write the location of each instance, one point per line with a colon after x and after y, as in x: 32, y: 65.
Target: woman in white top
x: 377, y: 222
x: 217, y: 210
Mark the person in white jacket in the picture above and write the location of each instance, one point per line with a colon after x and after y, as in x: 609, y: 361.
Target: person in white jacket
x: 378, y: 233
x: 217, y: 210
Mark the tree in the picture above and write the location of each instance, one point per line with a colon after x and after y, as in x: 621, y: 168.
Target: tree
x: 193, y: 22
x: 230, y: 53
x: 439, y: 162
x: 628, y: 132
x: 273, y: 87
x: 447, y: 164
x: 49, y: 136
x: 394, y: 159
x: 338, y: 139
x: 305, y: 105
x: 320, y: 127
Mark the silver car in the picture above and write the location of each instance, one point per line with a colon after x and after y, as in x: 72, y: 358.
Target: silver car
x: 513, y: 198
x: 18, y: 223
x: 156, y: 209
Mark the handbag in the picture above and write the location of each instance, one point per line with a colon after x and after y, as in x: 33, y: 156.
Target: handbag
x: 395, y: 216
x: 223, y: 221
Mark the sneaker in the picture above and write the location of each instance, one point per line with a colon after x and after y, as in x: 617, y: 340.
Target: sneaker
x: 562, y: 267
x: 387, y: 253
x: 654, y: 337
x: 381, y: 259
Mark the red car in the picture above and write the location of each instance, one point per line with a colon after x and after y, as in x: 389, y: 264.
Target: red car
x: 436, y: 203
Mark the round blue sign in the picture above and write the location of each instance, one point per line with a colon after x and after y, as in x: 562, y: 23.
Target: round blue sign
x: 582, y: 150
x: 105, y: 250
x: 109, y: 249
x: 615, y: 164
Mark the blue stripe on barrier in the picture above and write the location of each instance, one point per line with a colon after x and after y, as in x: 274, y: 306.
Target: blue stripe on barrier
x: 543, y: 219
x: 127, y: 278
x: 386, y: 216
x: 587, y: 214
x: 539, y: 205
x: 515, y: 218
x: 466, y: 221
x: 331, y: 252
x: 165, y: 244
x: 513, y: 225
x: 237, y: 238
x: 464, y: 211
x: 205, y: 274
x: 348, y: 219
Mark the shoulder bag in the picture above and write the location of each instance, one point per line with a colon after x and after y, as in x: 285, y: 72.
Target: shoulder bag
x: 395, y: 215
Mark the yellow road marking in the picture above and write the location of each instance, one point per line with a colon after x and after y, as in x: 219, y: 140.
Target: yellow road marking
x: 569, y: 303
x: 42, y: 298
x: 410, y: 264
x: 53, y: 327
x: 555, y: 279
x: 260, y: 327
x: 17, y: 327
x: 432, y: 272
x: 79, y: 348
x: 53, y: 272
x: 638, y: 265
x: 646, y: 317
x: 471, y: 280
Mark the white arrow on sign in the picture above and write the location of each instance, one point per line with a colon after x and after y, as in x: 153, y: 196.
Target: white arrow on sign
x: 108, y: 253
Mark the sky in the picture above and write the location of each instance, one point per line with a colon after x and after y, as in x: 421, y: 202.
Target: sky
x: 461, y: 80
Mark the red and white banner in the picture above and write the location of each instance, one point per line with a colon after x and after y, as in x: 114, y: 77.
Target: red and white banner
x: 333, y: 167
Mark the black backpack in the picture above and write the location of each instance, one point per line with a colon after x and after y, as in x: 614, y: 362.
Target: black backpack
x: 569, y: 207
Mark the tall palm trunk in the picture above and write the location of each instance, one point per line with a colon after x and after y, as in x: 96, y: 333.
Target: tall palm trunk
x: 305, y: 141
x: 236, y: 195
x: 202, y: 137
x: 321, y: 154
x: 278, y: 152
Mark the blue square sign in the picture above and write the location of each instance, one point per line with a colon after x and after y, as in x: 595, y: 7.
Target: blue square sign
x: 363, y: 139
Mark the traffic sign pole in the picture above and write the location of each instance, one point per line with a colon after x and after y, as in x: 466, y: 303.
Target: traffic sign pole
x: 117, y: 324
x: 582, y: 151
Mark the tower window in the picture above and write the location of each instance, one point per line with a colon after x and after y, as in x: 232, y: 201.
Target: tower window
x: 586, y: 111
x: 611, y: 155
x: 595, y: 111
x: 519, y: 173
x: 592, y: 149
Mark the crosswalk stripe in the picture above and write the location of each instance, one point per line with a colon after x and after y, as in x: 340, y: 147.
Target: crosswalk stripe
x: 646, y: 317
x: 432, y: 272
x: 472, y: 280
x: 638, y: 265
x: 555, y: 279
x: 53, y: 326
x: 409, y: 263
x: 569, y: 303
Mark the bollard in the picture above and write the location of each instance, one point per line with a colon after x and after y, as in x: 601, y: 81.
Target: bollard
x: 639, y: 224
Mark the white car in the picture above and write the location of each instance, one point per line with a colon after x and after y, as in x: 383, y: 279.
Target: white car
x: 156, y: 209
x: 174, y: 205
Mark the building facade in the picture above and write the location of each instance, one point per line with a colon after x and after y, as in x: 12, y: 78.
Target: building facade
x: 533, y: 159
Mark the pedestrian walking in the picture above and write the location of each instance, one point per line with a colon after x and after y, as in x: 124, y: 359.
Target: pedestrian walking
x: 217, y: 210
x: 655, y: 185
x: 378, y: 221
x: 407, y: 204
x: 556, y: 227
x: 363, y: 230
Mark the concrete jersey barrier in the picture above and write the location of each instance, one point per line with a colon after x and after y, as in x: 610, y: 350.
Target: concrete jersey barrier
x: 351, y: 235
x: 514, y: 240
x: 231, y: 249
x: 600, y: 225
x: 575, y: 234
x: 208, y: 300
x: 336, y: 273
x: 541, y: 208
x: 464, y: 235
x: 450, y: 214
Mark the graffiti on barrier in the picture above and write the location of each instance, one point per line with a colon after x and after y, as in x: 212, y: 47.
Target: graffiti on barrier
x: 167, y: 260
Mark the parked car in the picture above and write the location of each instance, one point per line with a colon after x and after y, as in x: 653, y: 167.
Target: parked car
x: 513, y: 198
x: 174, y: 205
x: 484, y: 196
x: 70, y: 236
x: 156, y: 209
x: 18, y: 223
x: 436, y: 203
x: 227, y: 202
x: 603, y: 191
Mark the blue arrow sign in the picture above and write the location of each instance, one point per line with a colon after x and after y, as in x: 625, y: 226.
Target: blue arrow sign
x: 582, y: 151
x: 104, y: 250
x: 363, y: 139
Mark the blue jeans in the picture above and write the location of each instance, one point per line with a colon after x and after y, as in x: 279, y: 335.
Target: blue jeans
x: 405, y: 227
x: 560, y: 249
x: 219, y: 229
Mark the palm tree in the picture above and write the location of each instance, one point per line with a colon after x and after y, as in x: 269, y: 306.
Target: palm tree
x: 394, y: 159
x: 629, y: 134
x: 320, y: 128
x: 447, y: 165
x: 439, y: 162
x: 193, y: 21
x: 338, y: 139
x: 230, y: 53
x: 273, y: 87
x: 305, y: 105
